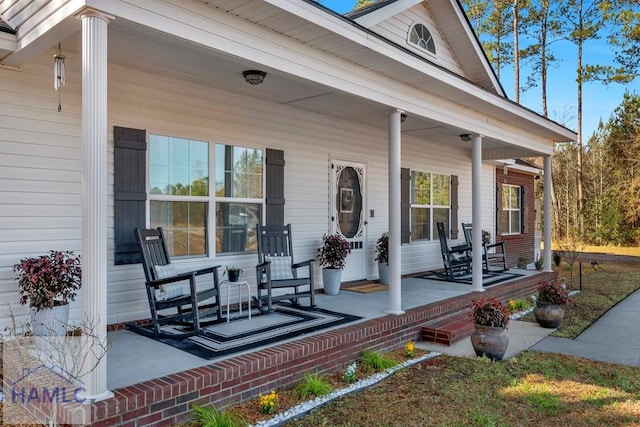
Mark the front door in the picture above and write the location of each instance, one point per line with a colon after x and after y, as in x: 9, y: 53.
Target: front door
x: 348, y: 214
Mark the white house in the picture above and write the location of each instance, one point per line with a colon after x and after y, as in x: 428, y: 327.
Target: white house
x: 387, y: 119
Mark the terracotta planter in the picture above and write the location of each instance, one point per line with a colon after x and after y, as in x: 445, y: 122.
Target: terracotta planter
x: 549, y: 315
x: 50, y: 321
x: 490, y: 341
x: 331, y: 278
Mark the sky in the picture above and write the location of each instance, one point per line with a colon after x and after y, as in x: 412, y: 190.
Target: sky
x: 599, y: 100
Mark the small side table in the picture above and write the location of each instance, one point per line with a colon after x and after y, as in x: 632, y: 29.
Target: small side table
x: 239, y: 284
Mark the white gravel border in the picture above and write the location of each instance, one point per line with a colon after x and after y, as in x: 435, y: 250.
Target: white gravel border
x: 304, y: 407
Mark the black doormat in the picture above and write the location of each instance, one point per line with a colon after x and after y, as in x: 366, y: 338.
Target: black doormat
x: 243, y: 334
x: 488, y: 279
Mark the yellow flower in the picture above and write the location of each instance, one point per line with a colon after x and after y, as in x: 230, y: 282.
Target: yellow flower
x: 268, y: 402
x: 511, y: 304
x: 409, y: 349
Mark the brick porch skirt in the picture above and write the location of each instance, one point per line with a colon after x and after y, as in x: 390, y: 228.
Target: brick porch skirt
x: 167, y: 400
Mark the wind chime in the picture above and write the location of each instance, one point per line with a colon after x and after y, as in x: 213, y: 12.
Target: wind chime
x: 58, y: 74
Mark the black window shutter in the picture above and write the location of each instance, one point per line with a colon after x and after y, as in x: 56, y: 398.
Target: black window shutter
x: 405, y: 205
x: 499, y: 210
x: 454, y: 207
x: 524, y: 212
x: 274, y: 175
x: 130, y: 195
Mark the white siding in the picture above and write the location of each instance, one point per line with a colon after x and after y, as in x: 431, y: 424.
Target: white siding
x: 397, y: 29
x: 41, y: 164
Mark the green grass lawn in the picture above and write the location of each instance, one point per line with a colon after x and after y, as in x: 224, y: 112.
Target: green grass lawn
x: 532, y: 389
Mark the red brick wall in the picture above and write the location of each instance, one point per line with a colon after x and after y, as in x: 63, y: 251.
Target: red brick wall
x: 166, y: 401
x: 520, y: 245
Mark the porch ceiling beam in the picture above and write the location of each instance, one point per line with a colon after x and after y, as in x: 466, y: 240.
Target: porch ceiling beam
x: 259, y: 46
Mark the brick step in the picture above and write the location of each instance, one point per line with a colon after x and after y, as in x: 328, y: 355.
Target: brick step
x: 448, y: 330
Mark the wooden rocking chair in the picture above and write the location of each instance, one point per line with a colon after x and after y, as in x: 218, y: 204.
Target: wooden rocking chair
x: 276, y: 269
x: 494, y: 255
x: 168, y: 289
x: 457, y: 260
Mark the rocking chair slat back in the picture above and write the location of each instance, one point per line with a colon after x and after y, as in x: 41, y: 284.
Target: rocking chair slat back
x: 154, y: 251
x: 274, y: 241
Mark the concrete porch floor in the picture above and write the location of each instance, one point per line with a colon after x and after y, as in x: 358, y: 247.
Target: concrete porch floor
x: 134, y: 359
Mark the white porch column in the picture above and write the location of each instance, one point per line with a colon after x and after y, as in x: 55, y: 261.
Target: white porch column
x: 476, y: 212
x: 94, y: 204
x: 395, y: 300
x: 546, y: 253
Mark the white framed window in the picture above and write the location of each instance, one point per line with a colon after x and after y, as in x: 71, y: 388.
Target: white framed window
x: 420, y: 36
x: 180, y: 196
x: 430, y: 204
x: 511, y: 209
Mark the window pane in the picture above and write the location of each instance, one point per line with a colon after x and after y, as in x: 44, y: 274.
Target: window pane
x: 184, y: 224
x: 238, y: 172
x: 441, y: 185
x: 419, y: 223
x: 515, y: 197
x: 420, y: 188
x: 506, y: 194
x: 178, y: 166
x: 504, y: 221
x: 515, y: 222
x: 236, y: 226
x: 440, y: 215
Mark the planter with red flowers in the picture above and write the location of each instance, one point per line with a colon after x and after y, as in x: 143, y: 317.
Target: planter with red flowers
x: 490, y: 318
x: 332, y: 256
x: 48, y: 283
x: 551, y: 297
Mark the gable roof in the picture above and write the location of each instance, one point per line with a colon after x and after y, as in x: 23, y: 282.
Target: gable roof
x: 455, y: 28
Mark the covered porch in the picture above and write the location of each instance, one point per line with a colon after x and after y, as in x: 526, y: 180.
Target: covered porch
x: 162, y: 388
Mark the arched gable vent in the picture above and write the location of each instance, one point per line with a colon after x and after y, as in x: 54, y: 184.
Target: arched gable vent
x: 420, y: 36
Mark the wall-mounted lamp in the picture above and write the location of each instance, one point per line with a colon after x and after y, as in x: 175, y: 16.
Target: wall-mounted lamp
x: 465, y: 137
x: 254, y: 77
x: 403, y: 117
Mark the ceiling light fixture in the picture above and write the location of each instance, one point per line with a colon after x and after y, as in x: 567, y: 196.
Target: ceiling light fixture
x: 254, y: 77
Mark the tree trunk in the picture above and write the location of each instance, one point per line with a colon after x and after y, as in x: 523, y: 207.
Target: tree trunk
x: 579, y: 174
x: 516, y: 53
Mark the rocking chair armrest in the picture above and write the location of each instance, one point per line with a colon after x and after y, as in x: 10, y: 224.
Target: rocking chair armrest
x: 182, y: 276
x: 306, y: 263
x: 459, y: 249
x: 263, y: 265
x: 207, y: 270
x: 494, y: 245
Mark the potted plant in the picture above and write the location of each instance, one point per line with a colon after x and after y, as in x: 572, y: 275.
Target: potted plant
x: 233, y: 273
x: 551, y: 297
x: 48, y: 283
x: 490, y: 318
x: 382, y: 256
x: 332, y: 256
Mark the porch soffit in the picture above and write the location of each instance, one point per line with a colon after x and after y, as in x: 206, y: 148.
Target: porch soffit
x: 346, y: 41
x: 359, y: 61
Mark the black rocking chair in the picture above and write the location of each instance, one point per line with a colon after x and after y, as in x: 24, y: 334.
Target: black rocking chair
x: 276, y: 269
x: 457, y: 260
x: 494, y: 255
x: 168, y: 289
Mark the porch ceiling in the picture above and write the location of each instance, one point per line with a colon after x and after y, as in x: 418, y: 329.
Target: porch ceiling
x: 151, y: 51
